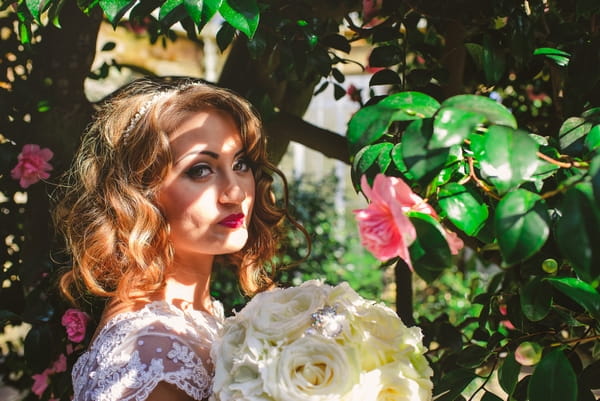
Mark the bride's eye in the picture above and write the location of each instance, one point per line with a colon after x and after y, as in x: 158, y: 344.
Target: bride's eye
x: 199, y: 171
x: 242, y: 165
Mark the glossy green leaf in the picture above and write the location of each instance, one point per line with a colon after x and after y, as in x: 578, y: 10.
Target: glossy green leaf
x: 553, y: 379
x: 494, y: 112
x: 410, y: 105
x: 385, y: 77
x: 398, y: 160
x: 115, y: 9
x: 592, y: 140
x: 429, y: 252
x: 536, y: 299
x: 452, y: 126
x: 521, y: 225
x: 367, y: 126
x: 579, y: 229
x: 494, y: 62
x: 202, y: 11
x: 580, y: 292
x: 572, y: 132
x: 506, y: 157
x: 463, y: 206
x: 243, y: 15
x: 452, y: 383
x: 171, y: 12
x: 508, y: 373
x: 560, y: 57
x: 371, y: 154
x: 34, y: 7
x: 336, y: 41
x: 422, y: 163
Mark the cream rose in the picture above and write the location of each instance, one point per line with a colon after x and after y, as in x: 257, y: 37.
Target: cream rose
x: 312, y: 368
x: 284, y: 315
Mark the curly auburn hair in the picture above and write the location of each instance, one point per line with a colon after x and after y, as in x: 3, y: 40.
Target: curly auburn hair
x: 107, y: 211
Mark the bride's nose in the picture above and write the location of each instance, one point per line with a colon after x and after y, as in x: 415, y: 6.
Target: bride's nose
x: 233, y: 191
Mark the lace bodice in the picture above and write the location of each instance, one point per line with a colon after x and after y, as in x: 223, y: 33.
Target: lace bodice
x: 136, y: 350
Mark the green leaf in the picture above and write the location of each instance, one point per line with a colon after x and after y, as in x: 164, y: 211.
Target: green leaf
x: 578, y: 231
x: 553, y: 379
x: 494, y: 62
x: 595, y: 175
x: 385, y: 77
x: 560, y: 57
x: 429, y: 252
x: 472, y: 356
x: 410, y: 105
x: 243, y: 15
x: 494, y: 112
x: 592, y: 140
x: 369, y: 155
x: 536, y: 299
x: 422, y: 163
x: 225, y: 36
x: 508, y: 374
x: 571, y: 134
x: 475, y: 50
x: 463, y: 206
x: 34, y: 7
x: 336, y: 41
x: 367, y: 125
x: 521, y: 225
x: 452, y: 126
x: 580, y: 292
x: 398, y: 160
x: 453, y: 383
x: 171, y: 12
x: 115, y: 9
x: 507, y: 157
x: 202, y: 11
x: 385, y: 56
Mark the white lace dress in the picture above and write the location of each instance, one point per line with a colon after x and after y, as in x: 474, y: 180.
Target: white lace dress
x: 136, y: 350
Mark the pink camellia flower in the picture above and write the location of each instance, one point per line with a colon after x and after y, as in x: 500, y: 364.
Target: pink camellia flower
x: 40, y: 383
x: 32, y: 165
x: 370, y: 10
x: 384, y: 228
x: 75, y: 322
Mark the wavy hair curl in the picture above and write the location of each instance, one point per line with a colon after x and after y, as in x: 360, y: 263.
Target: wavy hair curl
x: 115, y: 233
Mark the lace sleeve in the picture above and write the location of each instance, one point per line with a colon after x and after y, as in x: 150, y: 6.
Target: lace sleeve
x: 127, y: 363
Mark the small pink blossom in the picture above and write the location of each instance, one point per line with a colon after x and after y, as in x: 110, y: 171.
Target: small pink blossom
x: 370, y: 10
x: 40, y: 383
x: 384, y: 228
x: 32, y: 165
x: 75, y: 322
x: 353, y: 93
x: 60, y: 365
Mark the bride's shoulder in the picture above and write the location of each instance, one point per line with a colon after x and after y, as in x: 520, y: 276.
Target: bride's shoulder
x: 136, y: 349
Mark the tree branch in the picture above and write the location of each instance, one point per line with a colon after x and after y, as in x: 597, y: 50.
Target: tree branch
x: 293, y: 128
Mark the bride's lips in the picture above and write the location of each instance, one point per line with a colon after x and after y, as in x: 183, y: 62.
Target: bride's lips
x: 235, y: 220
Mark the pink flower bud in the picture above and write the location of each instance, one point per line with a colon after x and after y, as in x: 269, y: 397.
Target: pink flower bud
x: 75, y: 322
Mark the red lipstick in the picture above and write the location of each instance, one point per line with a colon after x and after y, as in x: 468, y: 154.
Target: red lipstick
x: 235, y: 220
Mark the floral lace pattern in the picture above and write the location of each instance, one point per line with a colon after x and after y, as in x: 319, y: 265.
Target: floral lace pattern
x: 136, y: 350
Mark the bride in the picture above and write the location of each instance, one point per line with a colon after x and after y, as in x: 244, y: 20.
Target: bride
x: 171, y: 176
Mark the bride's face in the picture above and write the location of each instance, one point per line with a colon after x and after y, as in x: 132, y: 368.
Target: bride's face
x: 208, y: 194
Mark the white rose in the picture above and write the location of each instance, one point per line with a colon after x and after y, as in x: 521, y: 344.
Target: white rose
x: 396, y: 386
x: 313, y: 368
x: 282, y: 315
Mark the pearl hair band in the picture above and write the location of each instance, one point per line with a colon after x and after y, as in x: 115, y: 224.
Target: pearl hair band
x: 146, y: 106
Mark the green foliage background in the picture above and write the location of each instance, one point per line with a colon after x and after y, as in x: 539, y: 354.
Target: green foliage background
x: 491, y: 112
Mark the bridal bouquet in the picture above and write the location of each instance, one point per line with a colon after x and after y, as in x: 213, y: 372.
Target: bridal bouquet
x: 317, y: 342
